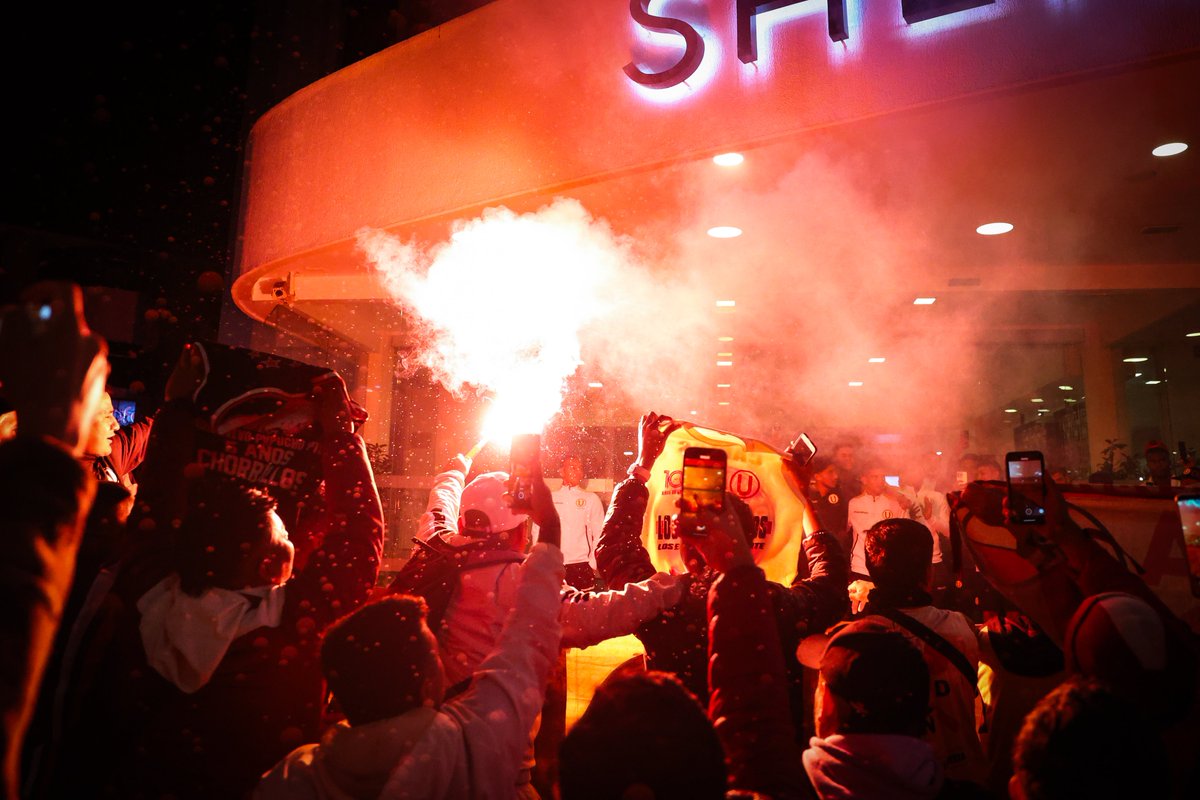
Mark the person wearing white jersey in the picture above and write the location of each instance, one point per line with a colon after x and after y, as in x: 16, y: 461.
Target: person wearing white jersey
x: 877, y: 503
x: 582, y: 516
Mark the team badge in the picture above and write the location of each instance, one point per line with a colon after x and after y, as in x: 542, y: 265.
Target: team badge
x: 887, y: 514
x: 580, y: 503
x: 833, y: 499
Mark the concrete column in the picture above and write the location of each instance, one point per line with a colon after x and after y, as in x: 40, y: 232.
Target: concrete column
x: 377, y: 398
x: 1105, y: 412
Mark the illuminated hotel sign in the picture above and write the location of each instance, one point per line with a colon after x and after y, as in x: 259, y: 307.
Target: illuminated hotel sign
x: 747, y: 11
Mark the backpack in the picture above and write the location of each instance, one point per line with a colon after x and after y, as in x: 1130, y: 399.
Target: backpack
x: 433, y: 571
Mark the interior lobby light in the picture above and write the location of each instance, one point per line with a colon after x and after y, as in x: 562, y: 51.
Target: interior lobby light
x: 1135, y: 359
x: 924, y: 301
x: 728, y: 159
x: 876, y: 360
x: 1010, y: 411
x: 856, y: 383
x: 1169, y: 149
x: 994, y: 228
x: 724, y: 232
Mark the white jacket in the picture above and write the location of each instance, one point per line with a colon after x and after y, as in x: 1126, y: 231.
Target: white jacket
x: 471, y: 747
x: 483, y: 597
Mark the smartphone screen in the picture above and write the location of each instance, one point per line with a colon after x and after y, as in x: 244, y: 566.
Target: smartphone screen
x: 1189, y: 520
x: 523, y: 456
x: 892, y: 480
x: 1026, y: 472
x: 704, y: 478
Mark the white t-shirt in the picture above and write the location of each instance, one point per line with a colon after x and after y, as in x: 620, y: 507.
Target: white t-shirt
x: 582, y: 516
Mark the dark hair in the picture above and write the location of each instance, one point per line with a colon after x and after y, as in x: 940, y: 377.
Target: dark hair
x: 898, y: 553
x: 642, y: 730
x: 376, y: 659
x: 225, y: 524
x: 1082, y: 740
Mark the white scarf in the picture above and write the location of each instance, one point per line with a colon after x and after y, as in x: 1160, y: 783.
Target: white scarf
x: 186, y: 637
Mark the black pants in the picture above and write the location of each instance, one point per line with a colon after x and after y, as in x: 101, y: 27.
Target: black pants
x: 583, y: 577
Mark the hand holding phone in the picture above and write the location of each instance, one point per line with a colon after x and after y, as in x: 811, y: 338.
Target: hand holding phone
x: 52, y: 367
x: 717, y: 536
x: 523, y: 464
x: 1025, y: 472
x: 527, y: 491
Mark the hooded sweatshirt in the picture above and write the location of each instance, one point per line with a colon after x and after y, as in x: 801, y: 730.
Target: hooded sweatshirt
x: 879, y: 766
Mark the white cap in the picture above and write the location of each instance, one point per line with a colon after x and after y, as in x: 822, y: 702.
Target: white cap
x: 483, y: 509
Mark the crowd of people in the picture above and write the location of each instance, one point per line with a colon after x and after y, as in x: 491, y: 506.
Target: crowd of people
x: 176, y: 632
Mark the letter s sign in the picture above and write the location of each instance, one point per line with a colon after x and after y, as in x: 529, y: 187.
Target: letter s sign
x: 693, y: 48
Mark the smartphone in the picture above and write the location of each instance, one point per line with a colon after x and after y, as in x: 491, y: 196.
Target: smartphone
x: 523, y: 459
x: 1026, y: 475
x: 801, y: 449
x: 703, y: 479
x: 1189, y: 522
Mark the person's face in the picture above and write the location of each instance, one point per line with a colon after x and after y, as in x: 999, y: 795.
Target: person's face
x: 572, y: 471
x: 825, y: 712
x: 1159, y: 464
x: 873, y: 481
x: 987, y: 472
x: 8, y: 425
x: 827, y: 478
x: 281, y: 553
x: 932, y: 465
x: 844, y: 457
x: 103, y: 427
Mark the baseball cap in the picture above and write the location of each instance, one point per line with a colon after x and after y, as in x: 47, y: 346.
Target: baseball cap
x: 483, y: 508
x: 875, y: 669
x: 1121, y: 640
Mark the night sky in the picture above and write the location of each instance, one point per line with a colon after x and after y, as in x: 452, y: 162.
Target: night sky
x: 128, y: 123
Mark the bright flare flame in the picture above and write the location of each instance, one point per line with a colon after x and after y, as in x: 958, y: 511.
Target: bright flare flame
x: 501, y: 304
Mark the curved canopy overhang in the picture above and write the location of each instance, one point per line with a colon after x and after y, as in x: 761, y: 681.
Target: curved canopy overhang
x: 522, y: 99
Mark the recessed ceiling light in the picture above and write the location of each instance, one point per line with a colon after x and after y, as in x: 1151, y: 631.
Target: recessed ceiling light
x: 856, y: 383
x: 1137, y: 374
x: 1036, y: 400
x: 693, y: 413
x: 994, y: 228
x: 939, y: 452
x: 724, y: 232
x: 723, y: 403
x: 1169, y: 149
x: 728, y: 159
x: 724, y: 363
x: 726, y: 303
x: 1069, y: 400
x: 724, y: 385
x: 1043, y: 411
x: 1135, y: 359
x: 1153, y: 383
x: 628, y: 453
x: 595, y: 385
x: 924, y: 301
x: 1192, y: 335
x: 724, y: 338
x: 876, y: 360
x: 1010, y: 411
x: 1066, y: 388
x: 724, y: 355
